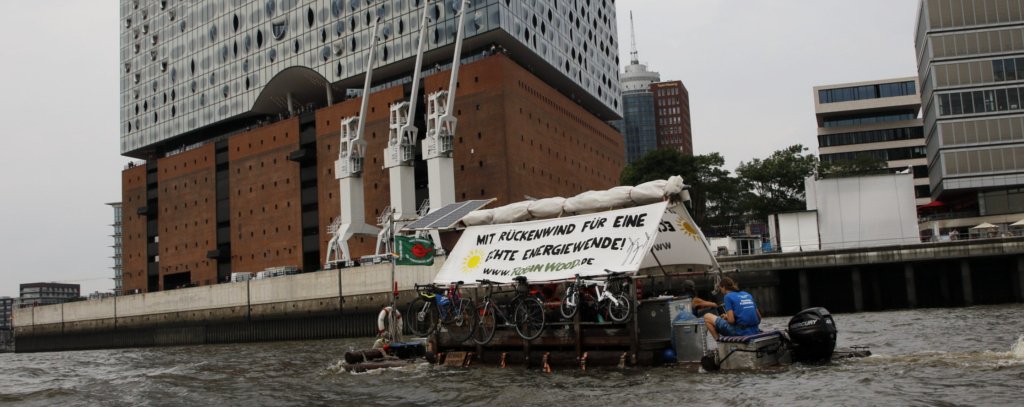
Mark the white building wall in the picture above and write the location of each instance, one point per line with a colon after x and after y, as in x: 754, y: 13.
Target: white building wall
x: 864, y: 211
x: 795, y: 231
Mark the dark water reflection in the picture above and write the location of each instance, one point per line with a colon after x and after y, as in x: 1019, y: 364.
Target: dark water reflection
x: 968, y: 356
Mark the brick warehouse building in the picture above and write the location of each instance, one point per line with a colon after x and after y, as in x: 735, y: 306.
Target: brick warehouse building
x: 242, y: 197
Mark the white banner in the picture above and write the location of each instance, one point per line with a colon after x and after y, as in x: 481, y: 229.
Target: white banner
x: 679, y: 241
x: 554, y: 249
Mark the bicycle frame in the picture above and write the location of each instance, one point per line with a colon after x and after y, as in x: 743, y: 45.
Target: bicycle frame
x: 433, y: 294
x: 499, y: 308
x: 600, y: 289
x: 608, y: 294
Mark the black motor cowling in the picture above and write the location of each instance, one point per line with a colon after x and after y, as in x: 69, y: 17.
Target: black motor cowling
x: 812, y: 333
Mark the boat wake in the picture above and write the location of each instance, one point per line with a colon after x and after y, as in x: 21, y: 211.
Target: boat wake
x: 1017, y: 351
x: 978, y: 359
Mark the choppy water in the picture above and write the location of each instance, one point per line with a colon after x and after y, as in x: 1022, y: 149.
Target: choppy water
x: 967, y: 356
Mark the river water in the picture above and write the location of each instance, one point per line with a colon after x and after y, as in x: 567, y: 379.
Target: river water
x: 964, y: 356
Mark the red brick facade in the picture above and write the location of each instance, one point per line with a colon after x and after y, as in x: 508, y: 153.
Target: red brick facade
x: 133, y: 228
x: 187, y: 224
x: 517, y: 137
x: 264, y: 185
x: 672, y: 116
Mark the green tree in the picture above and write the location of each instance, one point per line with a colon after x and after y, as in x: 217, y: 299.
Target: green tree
x: 709, y: 183
x: 776, y: 184
x: 860, y: 164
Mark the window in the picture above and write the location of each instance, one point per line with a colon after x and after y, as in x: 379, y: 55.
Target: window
x: 980, y: 101
x: 280, y: 28
x: 884, y: 90
x: 868, y: 119
x: 873, y: 136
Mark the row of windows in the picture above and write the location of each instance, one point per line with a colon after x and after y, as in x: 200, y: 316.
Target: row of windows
x: 670, y: 130
x: 983, y: 161
x: 668, y: 110
x: 670, y: 120
x: 868, y: 119
x: 873, y: 136
x: 1001, y: 202
x: 49, y: 290
x: 976, y: 43
x: 667, y: 91
x: 980, y: 101
x: 884, y: 90
x: 889, y: 154
x: 978, y: 72
x: 993, y: 130
x: 1009, y: 69
x: 964, y: 13
x: 668, y: 101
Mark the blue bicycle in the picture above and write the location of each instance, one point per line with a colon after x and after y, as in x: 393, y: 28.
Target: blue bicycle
x: 446, y: 308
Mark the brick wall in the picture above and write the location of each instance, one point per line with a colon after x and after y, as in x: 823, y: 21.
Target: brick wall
x: 133, y: 228
x: 187, y: 221
x: 264, y: 198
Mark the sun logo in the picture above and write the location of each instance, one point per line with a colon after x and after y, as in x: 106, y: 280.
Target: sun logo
x: 688, y: 228
x: 472, y: 260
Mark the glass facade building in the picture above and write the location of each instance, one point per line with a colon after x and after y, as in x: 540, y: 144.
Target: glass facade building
x: 638, y: 124
x: 187, y: 67
x: 655, y: 114
x: 969, y: 59
x: 875, y: 120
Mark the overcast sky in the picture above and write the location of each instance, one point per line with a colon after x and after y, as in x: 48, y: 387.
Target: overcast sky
x: 749, y: 66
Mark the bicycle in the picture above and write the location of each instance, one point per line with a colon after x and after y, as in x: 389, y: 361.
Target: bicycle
x: 610, y: 296
x: 527, y: 313
x: 435, y: 307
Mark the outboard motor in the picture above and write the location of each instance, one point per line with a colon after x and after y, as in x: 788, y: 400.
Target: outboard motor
x: 813, y: 335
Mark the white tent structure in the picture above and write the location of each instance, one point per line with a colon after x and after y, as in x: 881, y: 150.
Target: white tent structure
x: 620, y: 229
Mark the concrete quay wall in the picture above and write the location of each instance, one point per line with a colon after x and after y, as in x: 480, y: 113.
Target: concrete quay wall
x: 345, y: 302
x: 924, y: 252
x: 961, y: 273
x: 342, y: 296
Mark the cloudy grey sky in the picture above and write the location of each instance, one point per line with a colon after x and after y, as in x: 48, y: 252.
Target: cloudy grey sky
x: 749, y: 65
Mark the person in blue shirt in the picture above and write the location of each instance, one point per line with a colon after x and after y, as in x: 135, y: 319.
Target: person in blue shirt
x: 741, y: 316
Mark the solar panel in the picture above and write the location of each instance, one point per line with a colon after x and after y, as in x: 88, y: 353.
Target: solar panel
x: 447, y: 216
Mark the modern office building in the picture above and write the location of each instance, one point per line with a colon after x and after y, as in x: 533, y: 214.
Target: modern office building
x: 117, y: 267
x: 36, y: 294
x: 875, y: 120
x: 639, y: 124
x: 971, y: 69
x: 236, y: 109
x: 672, y: 116
x: 655, y: 114
x: 189, y: 65
x: 6, y: 312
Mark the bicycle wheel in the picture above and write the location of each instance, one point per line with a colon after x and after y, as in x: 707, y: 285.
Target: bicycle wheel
x: 487, y: 321
x: 570, y: 304
x: 421, y: 317
x: 620, y: 312
x: 463, y: 321
x: 529, y: 317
